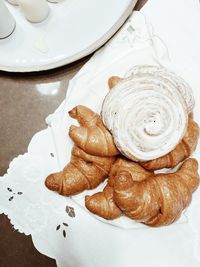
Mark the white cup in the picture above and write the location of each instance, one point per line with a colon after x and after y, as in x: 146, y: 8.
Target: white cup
x: 34, y: 10
x: 7, y: 21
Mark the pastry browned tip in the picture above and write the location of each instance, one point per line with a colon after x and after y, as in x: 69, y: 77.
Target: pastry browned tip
x: 52, y: 182
x: 103, y: 205
x: 76, y: 111
x: 73, y: 113
x: 192, y: 164
x: 113, y: 81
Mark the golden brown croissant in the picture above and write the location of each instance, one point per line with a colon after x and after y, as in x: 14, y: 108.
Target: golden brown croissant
x: 102, y: 203
x: 182, y: 151
x: 154, y: 199
x: 160, y: 199
x: 83, y: 172
x: 134, y: 169
x: 92, y: 136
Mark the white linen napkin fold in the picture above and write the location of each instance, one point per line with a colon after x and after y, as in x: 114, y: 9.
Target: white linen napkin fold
x: 177, y: 24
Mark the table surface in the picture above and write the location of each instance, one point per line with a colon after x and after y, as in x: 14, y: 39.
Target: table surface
x: 25, y: 101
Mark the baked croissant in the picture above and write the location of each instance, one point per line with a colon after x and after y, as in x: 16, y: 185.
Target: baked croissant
x: 156, y: 200
x: 83, y: 172
x: 102, y: 203
x: 182, y: 151
x: 92, y: 136
x: 123, y: 164
x: 160, y: 199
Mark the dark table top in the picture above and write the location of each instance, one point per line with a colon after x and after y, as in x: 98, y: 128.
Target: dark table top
x: 23, y: 111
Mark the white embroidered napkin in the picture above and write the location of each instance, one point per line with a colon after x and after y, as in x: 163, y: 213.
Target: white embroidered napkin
x: 83, y: 241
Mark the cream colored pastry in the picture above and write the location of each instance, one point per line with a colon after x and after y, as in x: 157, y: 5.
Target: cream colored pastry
x: 147, y: 112
x: 181, y: 85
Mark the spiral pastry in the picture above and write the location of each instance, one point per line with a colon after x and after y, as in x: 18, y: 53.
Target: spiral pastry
x: 181, y: 85
x: 147, y: 112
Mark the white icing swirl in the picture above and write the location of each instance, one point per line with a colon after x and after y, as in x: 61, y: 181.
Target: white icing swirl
x: 181, y: 85
x: 147, y: 112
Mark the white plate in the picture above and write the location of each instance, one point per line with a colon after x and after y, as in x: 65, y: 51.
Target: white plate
x: 74, y: 29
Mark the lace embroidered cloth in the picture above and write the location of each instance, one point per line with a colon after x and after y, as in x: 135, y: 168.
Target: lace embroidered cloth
x: 61, y: 227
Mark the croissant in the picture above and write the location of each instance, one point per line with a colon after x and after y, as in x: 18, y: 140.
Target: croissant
x: 92, y: 136
x: 83, y: 172
x: 156, y: 200
x: 102, y: 203
x: 160, y: 199
x: 182, y: 151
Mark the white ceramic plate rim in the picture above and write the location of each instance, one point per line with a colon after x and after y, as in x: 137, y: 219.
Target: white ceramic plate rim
x: 83, y: 53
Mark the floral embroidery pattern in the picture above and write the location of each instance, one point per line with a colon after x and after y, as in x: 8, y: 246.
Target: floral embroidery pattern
x: 70, y: 211
x: 63, y: 230
x: 13, y: 193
